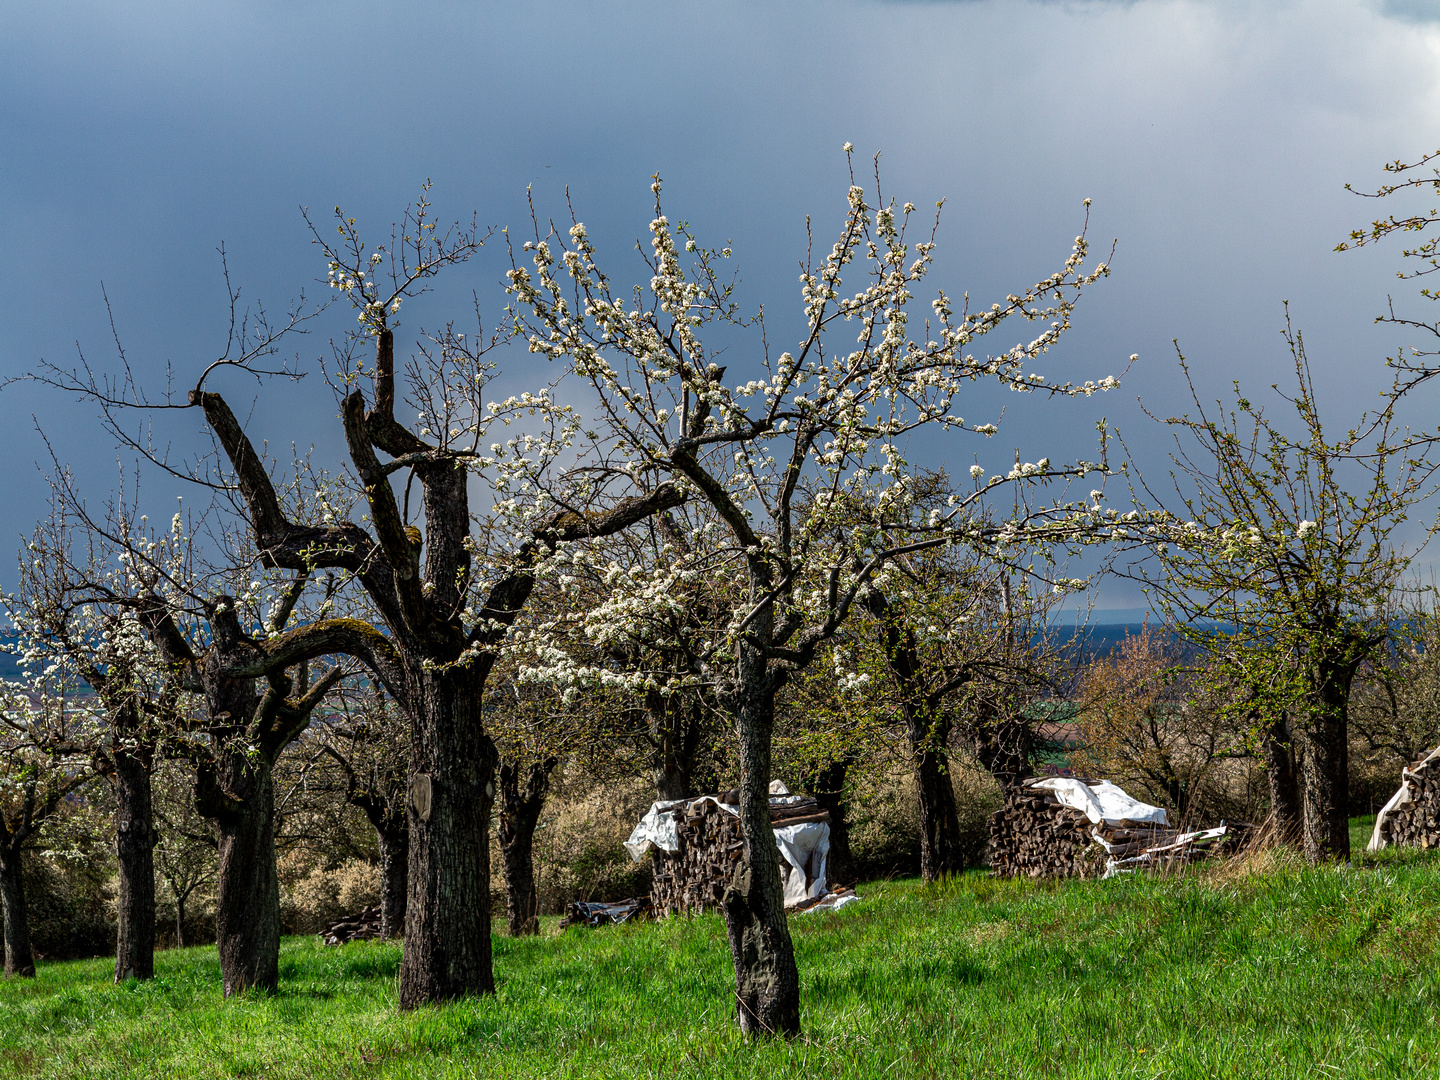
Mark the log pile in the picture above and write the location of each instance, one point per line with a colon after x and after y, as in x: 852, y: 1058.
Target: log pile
x: 357, y: 927
x: 1034, y: 835
x: 694, y: 878
x: 1415, y: 822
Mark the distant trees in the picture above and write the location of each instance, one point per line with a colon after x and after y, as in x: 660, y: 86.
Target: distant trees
x: 365, y: 737
x: 1147, y: 725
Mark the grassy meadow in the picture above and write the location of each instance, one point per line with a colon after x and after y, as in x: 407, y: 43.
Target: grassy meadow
x: 1264, y: 969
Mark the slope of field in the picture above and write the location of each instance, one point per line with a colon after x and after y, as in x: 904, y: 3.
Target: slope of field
x: 1272, y: 970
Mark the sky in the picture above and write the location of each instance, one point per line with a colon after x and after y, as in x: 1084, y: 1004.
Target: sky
x: 1215, y: 138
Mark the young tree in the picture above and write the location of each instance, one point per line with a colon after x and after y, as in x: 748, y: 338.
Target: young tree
x: 65, y: 617
x: 782, y: 459
x: 186, y: 848
x: 37, y: 720
x: 1279, y: 547
x: 366, y: 739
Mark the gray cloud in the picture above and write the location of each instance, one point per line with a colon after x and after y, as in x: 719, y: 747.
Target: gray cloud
x: 1412, y: 10
x: 1214, y: 138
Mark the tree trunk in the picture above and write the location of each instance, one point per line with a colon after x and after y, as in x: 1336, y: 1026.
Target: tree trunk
x: 452, y: 769
x: 827, y: 785
x: 767, y: 982
x: 135, y: 850
x: 247, y: 902
x: 394, y: 878
x: 940, y: 847
x: 1002, y: 746
x: 1326, y: 771
x: 519, y: 814
x: 19, y: 960
x: 1281, y: 773
x: 179, y: 921
x: 676, y: 731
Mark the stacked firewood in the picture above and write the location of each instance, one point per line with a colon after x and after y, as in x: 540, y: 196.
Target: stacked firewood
x: 357, y: 927
x: 1034, y: 835
x: 694, y: 878
x: 1416, y: 823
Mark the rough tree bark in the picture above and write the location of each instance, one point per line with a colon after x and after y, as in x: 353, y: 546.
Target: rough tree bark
x: 941, y: 850
x: 394, y: 877
x: 247, y: 730
x: 677, y: 733
x: 1282, y: 774
x: 434, y: 668
x: 1325, y: 768
x: 452, y: 788
x: 19, y: 959
x: 520, y: 806
x: 135, y: 852
x: 239, y: 796
x: 1002, y: 746
x: 767, y: 981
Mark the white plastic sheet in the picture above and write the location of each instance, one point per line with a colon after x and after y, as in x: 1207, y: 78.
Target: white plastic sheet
x: 804, y: 848
x: 1399, y: 799
x: 1101, y: 801
x: 657, y: 827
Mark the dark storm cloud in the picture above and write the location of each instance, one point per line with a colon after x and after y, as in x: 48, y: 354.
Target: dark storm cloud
x: 1214, y: 138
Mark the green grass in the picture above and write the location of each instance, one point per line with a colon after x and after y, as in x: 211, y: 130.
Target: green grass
x: 1274, y: 970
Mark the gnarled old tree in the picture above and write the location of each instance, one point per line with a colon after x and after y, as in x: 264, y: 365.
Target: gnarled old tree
x: 442, y: 594
x: 781, y: 455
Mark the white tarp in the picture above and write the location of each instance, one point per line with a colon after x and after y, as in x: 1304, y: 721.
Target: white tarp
x: 1399, y: 799
x: 804, y: 848
x: 1101, y: 801
x: 657, y: 827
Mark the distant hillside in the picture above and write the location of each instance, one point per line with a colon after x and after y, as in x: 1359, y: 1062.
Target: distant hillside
x: 9, y: 669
